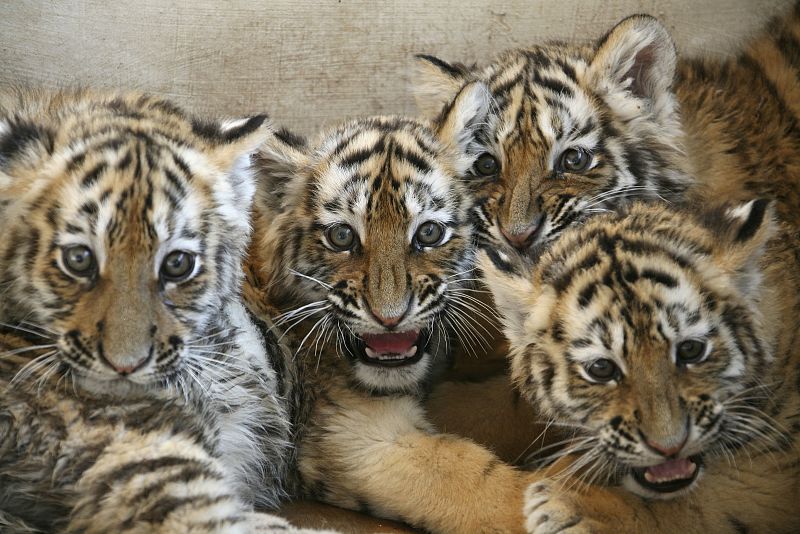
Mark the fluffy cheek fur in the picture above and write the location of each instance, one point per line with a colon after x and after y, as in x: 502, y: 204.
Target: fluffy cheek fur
x: 125, y: 315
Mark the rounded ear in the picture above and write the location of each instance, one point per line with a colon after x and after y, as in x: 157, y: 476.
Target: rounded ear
x: 22, y: 142
x: 509, y: 280
x: 462, y: 119
x: 743, y: 233
x: 230, y: 147
x: 280, y: 162
x: 638, y: 57
x: 436, y: 83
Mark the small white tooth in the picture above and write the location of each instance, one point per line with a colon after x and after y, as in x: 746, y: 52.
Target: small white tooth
x: 371, y: 353
x: 410, y: 352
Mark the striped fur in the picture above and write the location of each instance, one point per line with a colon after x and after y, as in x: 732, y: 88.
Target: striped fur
x: 629, y: 288
x: 363, y: 441
x: 131, y: 380
x: 612, y: 101
x: 648, y: 120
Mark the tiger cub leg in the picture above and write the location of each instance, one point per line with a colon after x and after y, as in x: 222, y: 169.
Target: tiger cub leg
x: 379, y: 454
x: 161, y: 483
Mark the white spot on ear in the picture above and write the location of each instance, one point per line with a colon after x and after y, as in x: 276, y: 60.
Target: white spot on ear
x: 740, y: 212
x: 232, y: 124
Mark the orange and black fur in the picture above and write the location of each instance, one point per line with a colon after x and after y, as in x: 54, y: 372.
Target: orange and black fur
x: 363, y: 251
x: 136, y: 393
x: 665, y: 339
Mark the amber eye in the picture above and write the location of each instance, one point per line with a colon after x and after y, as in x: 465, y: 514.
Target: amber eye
x: 429, y: 234
x: 79, y: 260
x: 575, y: 160
x: 486, y: 165
x: 341, y: 237
x: 602, y: 370
x: 177, y: 266
x: 690, y: 351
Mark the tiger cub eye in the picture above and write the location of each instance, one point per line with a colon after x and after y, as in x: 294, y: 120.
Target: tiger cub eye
x: 690, y: 351
x: 602, y: 370
x: 341, y: 237
x: 429, y: 234
x: 78, y: 260
x: 486, y: 165
x: 177, y: 266
x: 575, y: 160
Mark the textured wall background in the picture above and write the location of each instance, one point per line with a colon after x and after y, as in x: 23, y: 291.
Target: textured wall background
x: 315, y: 63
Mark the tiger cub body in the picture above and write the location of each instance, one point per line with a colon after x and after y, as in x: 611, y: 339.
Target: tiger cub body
x: 666, y: 340
x: 362, y: 251
x: 136, y: 393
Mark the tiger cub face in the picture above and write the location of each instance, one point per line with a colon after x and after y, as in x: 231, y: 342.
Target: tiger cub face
x: 573, y: 130
x: 373, y: 235
x: 642, y: 331
x: 123, y: 226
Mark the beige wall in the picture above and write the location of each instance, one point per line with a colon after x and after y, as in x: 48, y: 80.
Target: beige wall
x: 314, y: 63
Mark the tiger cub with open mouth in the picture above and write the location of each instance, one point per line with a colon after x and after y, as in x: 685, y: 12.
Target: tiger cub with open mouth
x: 666, y: 340
x: 363, y: 252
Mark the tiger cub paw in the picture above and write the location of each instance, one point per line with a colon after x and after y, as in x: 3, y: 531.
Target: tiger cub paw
x: 549, y: 507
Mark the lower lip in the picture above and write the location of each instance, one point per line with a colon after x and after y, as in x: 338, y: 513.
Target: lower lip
x: 670, y: 486
x: 409, y: 357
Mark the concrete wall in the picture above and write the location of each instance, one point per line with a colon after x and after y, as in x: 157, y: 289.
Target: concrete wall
x: 314, y: 63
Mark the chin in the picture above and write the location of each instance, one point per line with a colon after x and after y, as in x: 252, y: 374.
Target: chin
x: 116, y: 386
x: 407, y: 378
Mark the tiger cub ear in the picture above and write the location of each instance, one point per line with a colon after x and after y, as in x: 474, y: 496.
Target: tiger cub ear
x: 436, y: 83
x: 230, y: 146
x: 743, y: 233
x: 637, y: 57
x: 509, y: 279
x: 22, y: 143
x: 462, y: 119
x: 280, y: 162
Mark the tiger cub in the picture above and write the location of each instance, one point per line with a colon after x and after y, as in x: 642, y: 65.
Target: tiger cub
x: 362, y: 250
x: 575, y: 130
x: 136, y: 394
x: 666, y: 339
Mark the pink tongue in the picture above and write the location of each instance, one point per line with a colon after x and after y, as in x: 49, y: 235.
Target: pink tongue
x: 391, y: 343
x: 670, y: 470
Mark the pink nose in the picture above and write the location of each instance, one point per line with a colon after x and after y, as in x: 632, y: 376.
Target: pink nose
x: 667, y: 450
x: 519, y: 239
x: 127, y: 368
x: 388, y: 321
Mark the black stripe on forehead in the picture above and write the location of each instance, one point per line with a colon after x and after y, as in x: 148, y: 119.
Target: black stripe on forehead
x: 418, y: 161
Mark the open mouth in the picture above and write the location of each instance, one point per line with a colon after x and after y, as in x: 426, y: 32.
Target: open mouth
x: 392, y: 349
x: 671, y: 476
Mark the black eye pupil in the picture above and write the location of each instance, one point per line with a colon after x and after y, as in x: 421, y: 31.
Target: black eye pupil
x: 575, y: 160
x: 486, y: 165
x: 602, y: 370
x: 691, y: 350
x: 430, y: 233
x: 177, y: 265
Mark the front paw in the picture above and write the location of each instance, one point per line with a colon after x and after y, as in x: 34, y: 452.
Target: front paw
x: 551, y: 507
